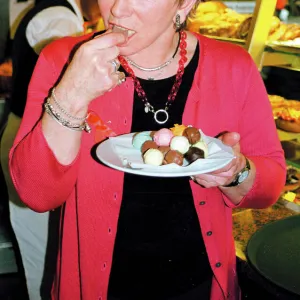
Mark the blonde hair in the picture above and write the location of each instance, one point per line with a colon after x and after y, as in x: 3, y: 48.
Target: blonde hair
x: 193, y: 10
x: 194, y: 7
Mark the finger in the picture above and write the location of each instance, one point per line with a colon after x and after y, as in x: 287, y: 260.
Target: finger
x: 108, y: 40
x: 118, y: 78
x: 220, y: 134
x: 210, y: 181
x: 230, y: 167
x: 230, y: 138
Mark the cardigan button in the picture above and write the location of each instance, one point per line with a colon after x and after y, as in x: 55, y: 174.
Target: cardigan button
x: 202, y: 202
x: 209, y: 233
x: 218, y: 264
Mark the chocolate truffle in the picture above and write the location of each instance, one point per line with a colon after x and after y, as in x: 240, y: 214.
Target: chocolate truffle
x: 173, y: 156
x: 152, y: 133
x: 148, y: 145
x: 194, y: 154
x: 164, y: 149
x: 192, y: 134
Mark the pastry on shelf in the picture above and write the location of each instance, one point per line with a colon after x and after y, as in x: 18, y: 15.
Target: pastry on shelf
x: 276, y: 101
x: 215, y: 18
x: 226, y: 30
x: 286, y: 113
x: 292, y: 32
x: 288, y: 119
x: 243, y: 30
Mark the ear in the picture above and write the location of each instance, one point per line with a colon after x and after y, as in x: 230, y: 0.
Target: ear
x: 185, y: 8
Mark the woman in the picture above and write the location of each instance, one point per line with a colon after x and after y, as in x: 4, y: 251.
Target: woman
x: 132, y: 237
x: 46, y: 21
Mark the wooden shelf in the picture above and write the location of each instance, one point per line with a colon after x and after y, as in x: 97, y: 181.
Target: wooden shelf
x: 228, y: 40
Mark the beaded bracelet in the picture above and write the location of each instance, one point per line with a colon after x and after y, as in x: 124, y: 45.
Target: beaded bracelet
x: 57, y: 117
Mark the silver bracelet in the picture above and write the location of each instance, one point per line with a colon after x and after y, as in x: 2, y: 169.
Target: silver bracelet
x: 57, y: 117
x: 62, y: 109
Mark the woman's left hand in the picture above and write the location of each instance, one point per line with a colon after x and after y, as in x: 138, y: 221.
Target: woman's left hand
x: 227, y: 174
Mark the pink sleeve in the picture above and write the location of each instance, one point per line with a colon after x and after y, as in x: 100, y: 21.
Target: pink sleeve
x: 41, y: 181
x: 260, y: 142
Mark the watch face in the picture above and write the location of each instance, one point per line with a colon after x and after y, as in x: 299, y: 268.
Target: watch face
x: 243, y: 176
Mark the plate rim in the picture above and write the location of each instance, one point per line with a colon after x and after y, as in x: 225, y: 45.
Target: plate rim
x: 249, y: 256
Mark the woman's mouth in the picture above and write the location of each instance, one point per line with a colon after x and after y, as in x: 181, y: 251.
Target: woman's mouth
x: 128, y: 32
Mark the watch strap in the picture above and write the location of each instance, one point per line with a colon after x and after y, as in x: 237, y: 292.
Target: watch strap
x: 236, y: 181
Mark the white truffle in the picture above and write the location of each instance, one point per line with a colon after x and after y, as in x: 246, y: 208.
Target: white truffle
x: 153, y: 157
x: 180, y: 144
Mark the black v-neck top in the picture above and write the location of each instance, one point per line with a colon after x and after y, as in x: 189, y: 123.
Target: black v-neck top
x: 159, y: 251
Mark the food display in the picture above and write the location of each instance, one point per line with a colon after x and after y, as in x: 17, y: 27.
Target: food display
x: 286, y: 113
x: 214, y: 18
x: 167, y: 146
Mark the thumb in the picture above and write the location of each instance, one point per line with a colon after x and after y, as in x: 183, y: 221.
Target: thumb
x: 230, y: 138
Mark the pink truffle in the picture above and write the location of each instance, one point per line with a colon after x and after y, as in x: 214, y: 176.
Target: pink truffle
x: 163, y: 137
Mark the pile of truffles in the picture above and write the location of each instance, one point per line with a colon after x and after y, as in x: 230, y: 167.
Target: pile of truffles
x: 173, y: 145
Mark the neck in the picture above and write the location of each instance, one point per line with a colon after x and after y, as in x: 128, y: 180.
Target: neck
x: 163, y: 48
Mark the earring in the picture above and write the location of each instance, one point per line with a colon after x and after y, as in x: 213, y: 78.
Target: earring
x: 177, y: 22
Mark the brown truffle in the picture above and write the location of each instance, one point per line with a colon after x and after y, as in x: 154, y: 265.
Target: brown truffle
x: 164, y: 149
x: 152, y: 133
x: 192, y: 134
x: 194, y: 154
x: 173, y: 156
x: 148, y: 145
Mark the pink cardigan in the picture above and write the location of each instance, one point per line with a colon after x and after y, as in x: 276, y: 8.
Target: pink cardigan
x: 227, y: 94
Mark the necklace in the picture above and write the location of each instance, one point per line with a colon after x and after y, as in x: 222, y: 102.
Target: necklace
x: 141, y: 93
x: 155, y: 68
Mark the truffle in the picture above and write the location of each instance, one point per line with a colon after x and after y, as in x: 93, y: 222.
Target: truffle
x: 173, y: 156
x: 180, y: 143
x: 192, y: 134
x: 153, y: 157
x: 148, y: 145
x: 163, y: 137
x: 193, y: 154
x: 203, y: 146
x: 164, y: 149
x: 140, y: 138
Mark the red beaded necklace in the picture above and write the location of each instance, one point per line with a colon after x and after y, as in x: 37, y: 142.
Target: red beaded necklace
x: 141, y: 93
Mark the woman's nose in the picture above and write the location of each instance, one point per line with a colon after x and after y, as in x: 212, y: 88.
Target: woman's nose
x: 121, y: 8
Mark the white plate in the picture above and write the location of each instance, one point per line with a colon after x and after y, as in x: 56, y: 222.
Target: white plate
x: 118, y: 153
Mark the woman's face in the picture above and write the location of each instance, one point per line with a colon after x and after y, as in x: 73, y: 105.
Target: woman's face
x: 146, y: 21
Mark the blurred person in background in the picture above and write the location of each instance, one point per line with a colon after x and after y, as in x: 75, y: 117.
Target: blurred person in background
x: 4, y: 28
x: 46, y: 21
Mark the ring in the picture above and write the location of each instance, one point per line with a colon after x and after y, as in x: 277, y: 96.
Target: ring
x: 122, y: 78
x: 115, y: 63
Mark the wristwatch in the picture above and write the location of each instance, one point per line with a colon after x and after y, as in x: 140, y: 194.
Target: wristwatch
x: 241, y: 176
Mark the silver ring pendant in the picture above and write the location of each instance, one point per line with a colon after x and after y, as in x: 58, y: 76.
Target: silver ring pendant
x: 166, y: 116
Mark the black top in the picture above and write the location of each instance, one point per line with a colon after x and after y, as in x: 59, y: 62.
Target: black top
x: 159, y: 251
x: 24, y: 58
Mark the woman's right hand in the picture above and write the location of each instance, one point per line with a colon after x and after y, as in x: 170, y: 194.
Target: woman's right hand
x: 91, y: 72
